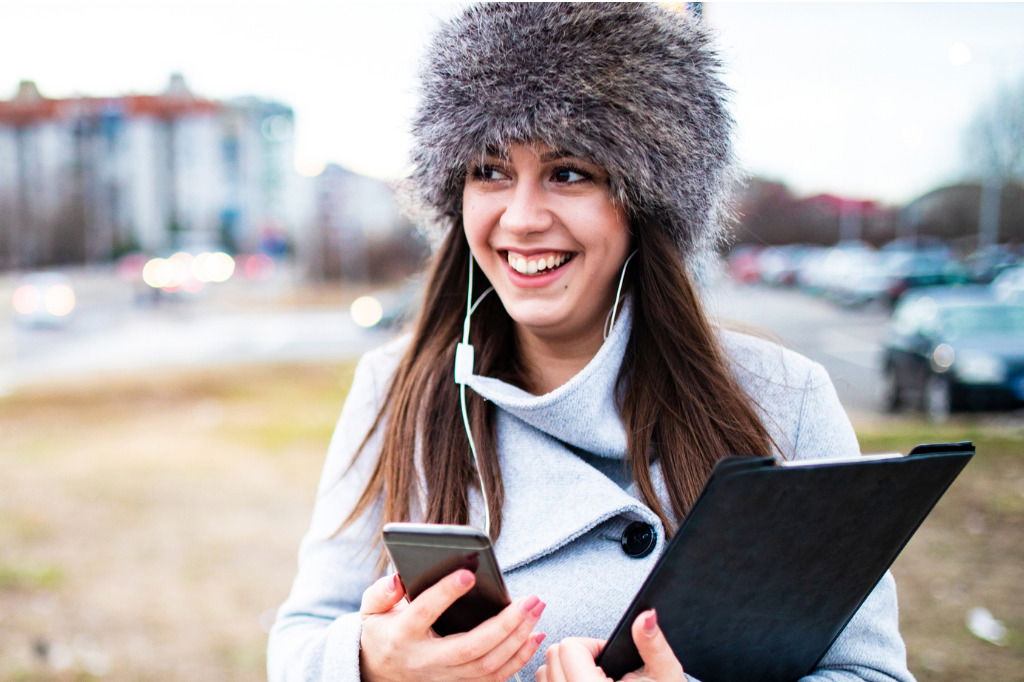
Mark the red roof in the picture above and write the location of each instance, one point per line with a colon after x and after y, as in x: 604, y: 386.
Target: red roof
x: 837, y: 203
x: 22, y: 111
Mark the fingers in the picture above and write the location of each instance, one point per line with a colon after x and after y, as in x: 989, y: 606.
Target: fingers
x: 660, y: 662
x: 432, y: 602
x: 525, y: 653
x: 575, y: 658
x: 586, y: 645
x: 381, y: 595
x: 553, y: 664
x: 500, y: 641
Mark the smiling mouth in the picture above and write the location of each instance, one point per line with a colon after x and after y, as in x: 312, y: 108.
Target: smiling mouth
x: 537, y: 264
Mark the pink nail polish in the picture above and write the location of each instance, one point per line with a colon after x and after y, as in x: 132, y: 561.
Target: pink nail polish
x: 650, y: 623
x: 538, y: 609
x: 393, y: 584
x: 465, y: 578
x: 539, y: 637
x: 530, y: 603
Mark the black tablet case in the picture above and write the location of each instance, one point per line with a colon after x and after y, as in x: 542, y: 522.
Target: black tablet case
x: 772, y: 561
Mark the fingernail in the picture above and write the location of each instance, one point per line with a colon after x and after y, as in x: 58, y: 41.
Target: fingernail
x: 650, y: 623
x: 538, y: 609
x: 538, y: 638
x: 465, y: 578
x: 393, y: 584
x: 530, y: 603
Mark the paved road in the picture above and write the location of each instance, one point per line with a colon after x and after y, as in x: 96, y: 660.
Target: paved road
x: 111, y: 332
x: 846, y: 342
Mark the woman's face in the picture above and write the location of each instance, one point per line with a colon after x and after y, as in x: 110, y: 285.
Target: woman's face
x: 543, y: 228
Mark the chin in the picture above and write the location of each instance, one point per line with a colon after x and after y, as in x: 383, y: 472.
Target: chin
x: 538, y: 322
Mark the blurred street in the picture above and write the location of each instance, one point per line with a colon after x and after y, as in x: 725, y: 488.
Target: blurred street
x: 847, y: 342
x: 114, y: 330
x: 244, y: 322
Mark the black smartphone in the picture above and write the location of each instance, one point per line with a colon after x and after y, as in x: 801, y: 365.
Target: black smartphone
x: 423, y: 553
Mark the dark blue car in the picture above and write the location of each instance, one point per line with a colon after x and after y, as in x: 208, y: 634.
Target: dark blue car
x: 954, y: 348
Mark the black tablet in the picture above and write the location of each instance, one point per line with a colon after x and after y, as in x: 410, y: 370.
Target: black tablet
x: 774, y: 559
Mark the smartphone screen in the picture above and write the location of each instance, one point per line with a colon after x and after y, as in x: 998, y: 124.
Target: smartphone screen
x: 424, y: 553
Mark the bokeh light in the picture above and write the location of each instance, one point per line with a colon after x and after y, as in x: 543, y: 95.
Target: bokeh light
x: 366, y: 311
x: 26, y: 299
x: 59, y: 300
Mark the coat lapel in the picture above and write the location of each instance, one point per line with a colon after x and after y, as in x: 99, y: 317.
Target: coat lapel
x: 552, y: 496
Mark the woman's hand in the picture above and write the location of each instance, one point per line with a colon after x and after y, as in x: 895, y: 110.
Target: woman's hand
x: 572, y: 659
x: 398, y: 644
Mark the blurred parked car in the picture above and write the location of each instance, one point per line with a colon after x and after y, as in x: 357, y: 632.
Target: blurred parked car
x: 811, y: 273
x: 839, y: 265
x: 743, y: 263
x: 1009, y: 285
x: 779, y: 265
x: 913, y: 270
x: 43, y: 299
x: 922, y: 261
x: 861, y: 278
x: 919, y: 244
x: 985, y: 265
x: 953, y: 349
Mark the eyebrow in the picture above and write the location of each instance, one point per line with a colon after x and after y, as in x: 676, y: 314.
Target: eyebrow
x: 546, y: 157
x: 556, y: 154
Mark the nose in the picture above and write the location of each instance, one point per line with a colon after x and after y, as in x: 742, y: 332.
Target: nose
x: 527, y: 210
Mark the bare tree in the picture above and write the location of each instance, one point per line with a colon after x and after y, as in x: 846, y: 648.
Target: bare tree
x: 995, y: 150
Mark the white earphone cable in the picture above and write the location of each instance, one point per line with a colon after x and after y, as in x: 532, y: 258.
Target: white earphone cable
x: 609, y: 322
x: 463, y: 367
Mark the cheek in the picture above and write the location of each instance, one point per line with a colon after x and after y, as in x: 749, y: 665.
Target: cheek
x: 475, y: 221
x: 615, y: 235
x: 471, y: 228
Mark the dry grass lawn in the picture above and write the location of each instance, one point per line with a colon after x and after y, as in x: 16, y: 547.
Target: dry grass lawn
x: 148, y: 527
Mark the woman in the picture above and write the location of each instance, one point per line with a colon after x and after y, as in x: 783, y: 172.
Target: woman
x: 576, y: 158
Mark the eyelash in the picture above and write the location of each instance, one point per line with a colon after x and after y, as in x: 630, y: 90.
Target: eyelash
x: 574, y: 169
x: 479, y: 173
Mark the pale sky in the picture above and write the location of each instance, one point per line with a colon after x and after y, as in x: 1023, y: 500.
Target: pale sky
x: 865, y: 100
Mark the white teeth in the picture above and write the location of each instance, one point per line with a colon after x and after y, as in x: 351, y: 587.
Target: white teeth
x: 531, y: 267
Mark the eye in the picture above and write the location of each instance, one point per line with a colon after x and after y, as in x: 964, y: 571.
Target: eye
x: 487, y: 173
x: 569, y: 175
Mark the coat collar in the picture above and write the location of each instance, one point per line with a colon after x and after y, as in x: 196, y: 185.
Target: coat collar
x: 582, y: 412
x: 552, y: 496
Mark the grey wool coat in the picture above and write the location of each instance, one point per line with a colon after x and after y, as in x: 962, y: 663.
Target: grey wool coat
x: 563, y: 517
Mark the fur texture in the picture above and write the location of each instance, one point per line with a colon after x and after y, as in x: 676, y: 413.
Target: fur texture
x: 630, y: 86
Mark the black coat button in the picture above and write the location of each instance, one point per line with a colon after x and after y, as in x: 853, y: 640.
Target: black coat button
x: 639, y: 539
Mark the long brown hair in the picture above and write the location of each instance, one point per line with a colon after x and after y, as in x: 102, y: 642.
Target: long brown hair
x: 679, y: 400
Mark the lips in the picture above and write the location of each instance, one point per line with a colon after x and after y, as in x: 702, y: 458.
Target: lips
x: 537, y: 263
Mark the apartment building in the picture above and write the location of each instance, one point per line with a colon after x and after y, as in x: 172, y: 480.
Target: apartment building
x: 84, y: 179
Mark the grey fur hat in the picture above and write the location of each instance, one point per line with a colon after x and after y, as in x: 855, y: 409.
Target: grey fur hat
x: 632, y: 87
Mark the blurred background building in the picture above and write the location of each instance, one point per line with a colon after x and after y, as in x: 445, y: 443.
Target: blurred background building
x: 358, y: 233
x: 86, y: 179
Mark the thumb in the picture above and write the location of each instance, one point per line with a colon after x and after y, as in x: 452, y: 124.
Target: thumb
x: 660, y: 662
x: 382, y: 595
